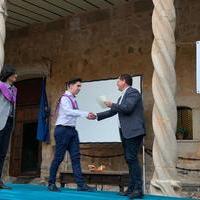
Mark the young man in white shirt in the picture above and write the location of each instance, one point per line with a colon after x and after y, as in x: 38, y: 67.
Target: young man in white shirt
x: 66, y: 136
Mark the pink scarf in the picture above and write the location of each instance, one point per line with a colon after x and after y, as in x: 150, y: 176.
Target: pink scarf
x: 9, y: 93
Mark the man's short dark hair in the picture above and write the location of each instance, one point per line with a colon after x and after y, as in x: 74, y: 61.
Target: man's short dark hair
x: 73, y: 81
x: 127, y: 78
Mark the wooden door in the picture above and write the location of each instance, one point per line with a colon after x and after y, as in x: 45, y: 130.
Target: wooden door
x: 26, y: 116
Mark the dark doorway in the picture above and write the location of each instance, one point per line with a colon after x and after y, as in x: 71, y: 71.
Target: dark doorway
x: 26, y: 151
x: 30, y: 150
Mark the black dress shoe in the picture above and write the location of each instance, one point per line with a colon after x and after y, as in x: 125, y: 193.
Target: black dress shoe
x: 86, y: 188
x: 53, y: 188
x: 137, y: 194
x: 3, y: 186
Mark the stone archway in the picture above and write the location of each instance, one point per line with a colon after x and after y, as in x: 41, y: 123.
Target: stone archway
x: 35, y: 70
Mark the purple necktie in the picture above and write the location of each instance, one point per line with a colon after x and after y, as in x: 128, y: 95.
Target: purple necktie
x: 76, y: 104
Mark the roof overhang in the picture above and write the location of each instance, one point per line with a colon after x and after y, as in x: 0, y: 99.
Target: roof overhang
x: 22, y: 13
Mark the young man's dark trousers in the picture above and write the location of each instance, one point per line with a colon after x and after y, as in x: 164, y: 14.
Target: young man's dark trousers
x: 67, y: 139
x: 4, y: 142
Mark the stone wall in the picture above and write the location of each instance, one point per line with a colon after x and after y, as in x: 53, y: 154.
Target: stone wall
x: 104, y: 44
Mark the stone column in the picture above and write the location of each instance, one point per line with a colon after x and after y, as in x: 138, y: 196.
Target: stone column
x: 3, y: 14
x: 164, y: 117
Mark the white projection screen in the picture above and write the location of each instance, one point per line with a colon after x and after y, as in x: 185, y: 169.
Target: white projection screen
x: 93, y: 131
x: 198, y: 67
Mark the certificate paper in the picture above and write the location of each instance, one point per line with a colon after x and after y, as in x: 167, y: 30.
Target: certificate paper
x: 101, y: 101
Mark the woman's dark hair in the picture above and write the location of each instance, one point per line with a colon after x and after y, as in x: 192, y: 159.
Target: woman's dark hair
x: 127, y: 78
x: 73, y: 81
x: 6, y: 72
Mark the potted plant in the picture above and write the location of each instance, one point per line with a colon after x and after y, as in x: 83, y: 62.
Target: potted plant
x: 181, y: 133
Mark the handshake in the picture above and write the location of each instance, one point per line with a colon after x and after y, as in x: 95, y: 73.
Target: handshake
x: 91, y: 116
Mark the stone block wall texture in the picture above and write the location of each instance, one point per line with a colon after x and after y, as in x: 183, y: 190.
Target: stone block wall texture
x: 103, y: 44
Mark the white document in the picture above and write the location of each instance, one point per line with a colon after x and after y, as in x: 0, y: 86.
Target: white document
x: 101, y: 101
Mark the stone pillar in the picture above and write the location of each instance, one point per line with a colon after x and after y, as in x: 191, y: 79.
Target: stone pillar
x: 164, y: 117
x: 3, y: 14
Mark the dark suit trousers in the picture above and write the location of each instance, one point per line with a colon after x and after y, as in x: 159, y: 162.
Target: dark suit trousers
x: 67, y: 140
x: 131, y: 149
x: 4, y: 141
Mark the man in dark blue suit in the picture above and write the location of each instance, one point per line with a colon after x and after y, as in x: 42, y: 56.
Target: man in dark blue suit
x: 131, y: 128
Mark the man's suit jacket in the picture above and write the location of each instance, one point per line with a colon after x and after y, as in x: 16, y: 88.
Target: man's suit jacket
x: 130, y: 112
